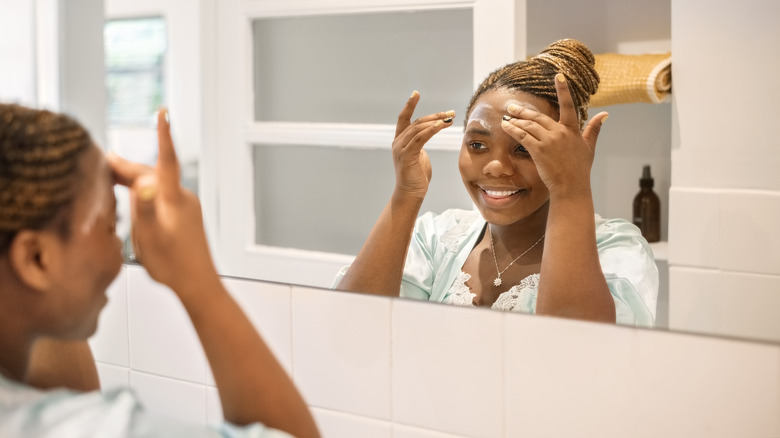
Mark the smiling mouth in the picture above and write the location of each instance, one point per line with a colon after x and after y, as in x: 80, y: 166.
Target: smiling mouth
x: 500, y: 193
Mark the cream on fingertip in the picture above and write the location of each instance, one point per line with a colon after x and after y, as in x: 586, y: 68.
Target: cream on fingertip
x: 147, y: 193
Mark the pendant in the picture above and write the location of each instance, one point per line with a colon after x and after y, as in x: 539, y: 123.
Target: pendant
x: 497, y: 282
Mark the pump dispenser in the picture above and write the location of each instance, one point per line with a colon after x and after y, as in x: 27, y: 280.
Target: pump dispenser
x: 647, y: 208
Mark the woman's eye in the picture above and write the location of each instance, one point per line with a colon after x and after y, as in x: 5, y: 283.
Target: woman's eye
x: 521, y: 149
x: 476, y: 145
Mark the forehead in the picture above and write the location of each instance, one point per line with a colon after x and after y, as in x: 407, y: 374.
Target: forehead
x: 493, y: 104
x: 95, y: 180
x: 94, y: 169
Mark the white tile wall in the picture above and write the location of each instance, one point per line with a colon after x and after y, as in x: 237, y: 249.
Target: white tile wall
x: 341, y: 351
x: 162, y: 338
x: 268, y: 306
x: 401, y: 431
x: 448, y: 367
x: 213, y: 406
x: 694, y: 227
x: 750, y: 231
x: 173, y: 398
x: 694, y: 386
x: 333, y: 424
x: 112, y: 376
x: 457, y: 372
x: 695, y: 301
x: 110, y: 342
x: 566, y: 382
x: 751, y: 306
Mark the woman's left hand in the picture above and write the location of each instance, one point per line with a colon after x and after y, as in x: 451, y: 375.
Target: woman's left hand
x: 563, y: 155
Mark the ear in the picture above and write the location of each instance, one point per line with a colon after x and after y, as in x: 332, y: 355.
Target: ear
x: 30, y: 256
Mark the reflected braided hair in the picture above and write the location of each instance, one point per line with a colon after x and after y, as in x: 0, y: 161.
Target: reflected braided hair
x: 39, y: 158
x: 535, y: 76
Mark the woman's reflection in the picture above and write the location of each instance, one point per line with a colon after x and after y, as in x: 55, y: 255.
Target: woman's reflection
x: 531, y: 246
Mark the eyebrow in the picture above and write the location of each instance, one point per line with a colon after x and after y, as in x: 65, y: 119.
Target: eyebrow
x: 478, y: 130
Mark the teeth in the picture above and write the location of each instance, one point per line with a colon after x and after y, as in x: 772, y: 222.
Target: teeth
x: 501, y: 193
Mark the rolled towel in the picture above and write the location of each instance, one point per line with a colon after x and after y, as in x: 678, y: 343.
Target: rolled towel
x: 632, y: 78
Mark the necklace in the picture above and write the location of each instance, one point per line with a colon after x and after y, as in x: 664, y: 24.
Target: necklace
x: 497, y: 282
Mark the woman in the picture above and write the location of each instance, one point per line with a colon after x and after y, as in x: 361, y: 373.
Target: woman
x: 58, y: 254
x: 535, y: 243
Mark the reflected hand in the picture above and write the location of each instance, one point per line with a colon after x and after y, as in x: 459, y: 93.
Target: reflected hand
x: 563, y: 155
x: 167, y: 224
x: 412, y: 165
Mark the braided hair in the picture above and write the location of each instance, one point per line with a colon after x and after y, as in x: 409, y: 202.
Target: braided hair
x: 535, y: 76
x: 39, y: 158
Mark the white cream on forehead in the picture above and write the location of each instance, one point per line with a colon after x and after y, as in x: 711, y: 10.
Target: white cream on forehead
x: 483, y: 111
x: 99, y: 201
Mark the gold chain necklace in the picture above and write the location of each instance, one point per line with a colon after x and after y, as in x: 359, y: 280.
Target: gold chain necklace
x: 497, y: 282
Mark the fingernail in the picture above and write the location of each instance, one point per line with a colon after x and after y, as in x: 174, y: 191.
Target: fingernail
x: 560, y: 78
x: 513, y: 107
x: 447, y: 120
x: 438, y: 123
x: 506, y: 118
x: 450, y: 113
x: 604, y: 119
x: 414, y: 93
x: 147, y: 193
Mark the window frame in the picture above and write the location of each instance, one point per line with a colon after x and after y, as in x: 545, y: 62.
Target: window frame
x: 237, y: 132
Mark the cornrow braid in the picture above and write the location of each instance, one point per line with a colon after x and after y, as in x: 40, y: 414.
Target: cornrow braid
x: 535, y: 76
x: 39, y: 157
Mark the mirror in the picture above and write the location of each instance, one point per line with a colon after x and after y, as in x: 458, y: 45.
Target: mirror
x: 306, y: 104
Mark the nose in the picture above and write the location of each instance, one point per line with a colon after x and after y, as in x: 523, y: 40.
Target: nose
x: 500, y: 165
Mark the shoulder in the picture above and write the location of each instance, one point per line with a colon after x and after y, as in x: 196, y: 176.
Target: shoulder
x: 450, y: 228
x: 607, y: 229
x: 448, y: 219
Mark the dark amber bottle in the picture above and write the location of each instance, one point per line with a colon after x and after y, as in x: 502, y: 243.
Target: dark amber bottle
x: 647, y: 208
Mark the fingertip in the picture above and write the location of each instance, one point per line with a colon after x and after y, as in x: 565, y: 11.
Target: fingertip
x: 415, y: 94
x: 560, y: 78
x: 147, y: 188
x: 604, y: 119
x: 163, y: 119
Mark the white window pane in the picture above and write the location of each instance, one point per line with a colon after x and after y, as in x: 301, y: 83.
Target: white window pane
x: 360, y: 68
x: 135, y: 53
x: 327, y: 199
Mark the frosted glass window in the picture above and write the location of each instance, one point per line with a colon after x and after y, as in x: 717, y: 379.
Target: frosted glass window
x: 360, y: 68
x: 327, y: 199
x: 135, y: 52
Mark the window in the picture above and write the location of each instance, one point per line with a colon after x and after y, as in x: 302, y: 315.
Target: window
x: 135, y: 54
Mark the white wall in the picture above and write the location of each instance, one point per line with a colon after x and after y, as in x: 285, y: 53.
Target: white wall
x: 380, y: 367
x: 724, y: 243
x: 17, y: 52
x: 51, y: 56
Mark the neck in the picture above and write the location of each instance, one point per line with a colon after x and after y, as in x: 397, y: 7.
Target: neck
x: 16, y: 336
x: 16, y: 356
x: 520, y: 235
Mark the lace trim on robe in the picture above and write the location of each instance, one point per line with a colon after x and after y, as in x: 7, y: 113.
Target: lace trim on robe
x: 461, y: 295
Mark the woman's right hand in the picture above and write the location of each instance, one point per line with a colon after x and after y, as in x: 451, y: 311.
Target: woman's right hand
x: 412, y: 166
x: 167, y: 223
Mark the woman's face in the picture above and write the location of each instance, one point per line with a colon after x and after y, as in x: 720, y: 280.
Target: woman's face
x: 499, y: 175
x: 86, y: 263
